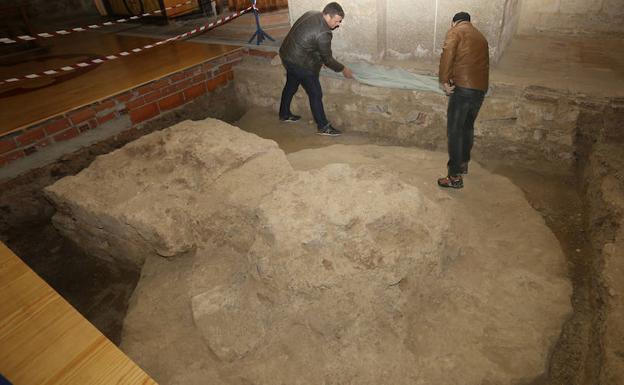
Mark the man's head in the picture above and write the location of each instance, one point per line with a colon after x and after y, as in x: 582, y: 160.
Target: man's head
x: 333, y: 15
x: 460, y: 16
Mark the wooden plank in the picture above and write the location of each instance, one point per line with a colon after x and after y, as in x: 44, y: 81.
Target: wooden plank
x: 44, y: 340
x: 34, y: 101
x: 182, y: 10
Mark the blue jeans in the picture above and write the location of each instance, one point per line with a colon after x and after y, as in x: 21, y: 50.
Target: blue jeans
x: 463, y: 108
x: 311, y: 84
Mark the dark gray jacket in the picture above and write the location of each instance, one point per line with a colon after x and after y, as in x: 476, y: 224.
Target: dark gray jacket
x: 308, y: 44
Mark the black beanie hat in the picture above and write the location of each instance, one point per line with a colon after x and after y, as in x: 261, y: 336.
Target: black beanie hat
x: 461, y: 16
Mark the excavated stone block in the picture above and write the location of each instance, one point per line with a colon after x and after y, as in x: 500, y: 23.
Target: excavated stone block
x: 109, y: 208
x: 344, y: 264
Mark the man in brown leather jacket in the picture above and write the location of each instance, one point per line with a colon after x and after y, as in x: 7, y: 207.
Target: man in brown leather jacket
x: 464, y: 76
x: 306, y: 48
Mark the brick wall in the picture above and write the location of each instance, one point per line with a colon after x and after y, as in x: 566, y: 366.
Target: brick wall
x: 140, y: 104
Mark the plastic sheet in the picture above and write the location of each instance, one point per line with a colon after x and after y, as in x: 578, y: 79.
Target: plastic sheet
x: 380, y: 76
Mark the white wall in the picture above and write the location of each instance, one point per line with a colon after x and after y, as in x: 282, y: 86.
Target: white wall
x: 411, y: 29
x: 572, y: 16
x: 510, y: 24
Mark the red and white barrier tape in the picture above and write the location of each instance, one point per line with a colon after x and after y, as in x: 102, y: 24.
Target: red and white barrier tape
x: 64, y: 32
x: 103, y: 59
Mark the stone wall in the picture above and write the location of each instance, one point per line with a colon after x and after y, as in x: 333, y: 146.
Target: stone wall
x: 407, y: 29
x: 525, y: 125
x: 572, y: 16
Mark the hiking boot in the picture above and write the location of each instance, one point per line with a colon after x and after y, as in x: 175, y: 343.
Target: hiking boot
x: 290, y: 118
x: 451, y: 182
x: 463, y: 168
x: 329, y: 131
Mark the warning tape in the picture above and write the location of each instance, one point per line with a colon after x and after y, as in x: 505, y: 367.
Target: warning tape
x: 103, y: 59
x: 65, y: 32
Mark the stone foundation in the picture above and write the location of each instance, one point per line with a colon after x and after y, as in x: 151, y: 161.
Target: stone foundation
x: 520, y: 125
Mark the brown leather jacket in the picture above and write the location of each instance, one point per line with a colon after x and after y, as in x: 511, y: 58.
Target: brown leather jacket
x: 465, y: 60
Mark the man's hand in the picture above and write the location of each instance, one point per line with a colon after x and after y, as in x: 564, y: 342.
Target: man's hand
x: 347, y: 73
x: 448, y: 89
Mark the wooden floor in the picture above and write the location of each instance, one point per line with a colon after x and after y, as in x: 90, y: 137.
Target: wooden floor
x: 43, y: 340
x: 25, y: 103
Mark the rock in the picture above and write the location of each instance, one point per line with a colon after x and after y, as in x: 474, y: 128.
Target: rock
x: 344, y: 264
x: 142, y: 198
x: 239, y: 308
x: 337, y: 224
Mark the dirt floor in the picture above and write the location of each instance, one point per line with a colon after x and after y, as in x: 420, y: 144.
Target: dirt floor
x: 101, y: 291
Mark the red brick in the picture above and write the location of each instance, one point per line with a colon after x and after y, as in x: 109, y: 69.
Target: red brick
x: 7, y: 144
x: 30, y: 136
x: 171, y: 101
x: 105, y: 105
x: 217, y: 82
x: 223, y: 68
x: 195, y: 91
x: 183, y: 84
x: 169, y: 91
x: 44, y: 143
x: 199, y: 78
x: 177, y: 77
x: 230, y: 76
x: 207, y: 67
x: 145, y: 89
x: 160, y: 84
x: 266, y: 54
x: 134, y: 104
x: 92, y: 124
x: 154, y: 95
x: 81, y: 115
x: 106, y: 118
x: 143, y: 113
x: 10, y: 157
x: 175, y: 88
x: 55, y: 126
x: 67, y: 134
x: 236, y: 55
x: 83, y: 127
x: 218, y: 61
x: 122, y: 98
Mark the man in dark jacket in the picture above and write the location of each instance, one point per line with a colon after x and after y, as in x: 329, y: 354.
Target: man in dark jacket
x: 464, y: 76
x: 306, y: 48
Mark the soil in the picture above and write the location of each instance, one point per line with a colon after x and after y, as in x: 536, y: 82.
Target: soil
x: 100, y: 291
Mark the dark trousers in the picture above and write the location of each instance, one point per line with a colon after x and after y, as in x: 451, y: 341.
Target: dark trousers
x: 463, y: 108
x: 296, y: 76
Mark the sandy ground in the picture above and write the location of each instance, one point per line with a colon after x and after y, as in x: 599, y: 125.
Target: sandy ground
x: 555, y: 197
x: 101, y: 292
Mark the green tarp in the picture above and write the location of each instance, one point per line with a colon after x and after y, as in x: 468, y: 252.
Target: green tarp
x: 380, y: 76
